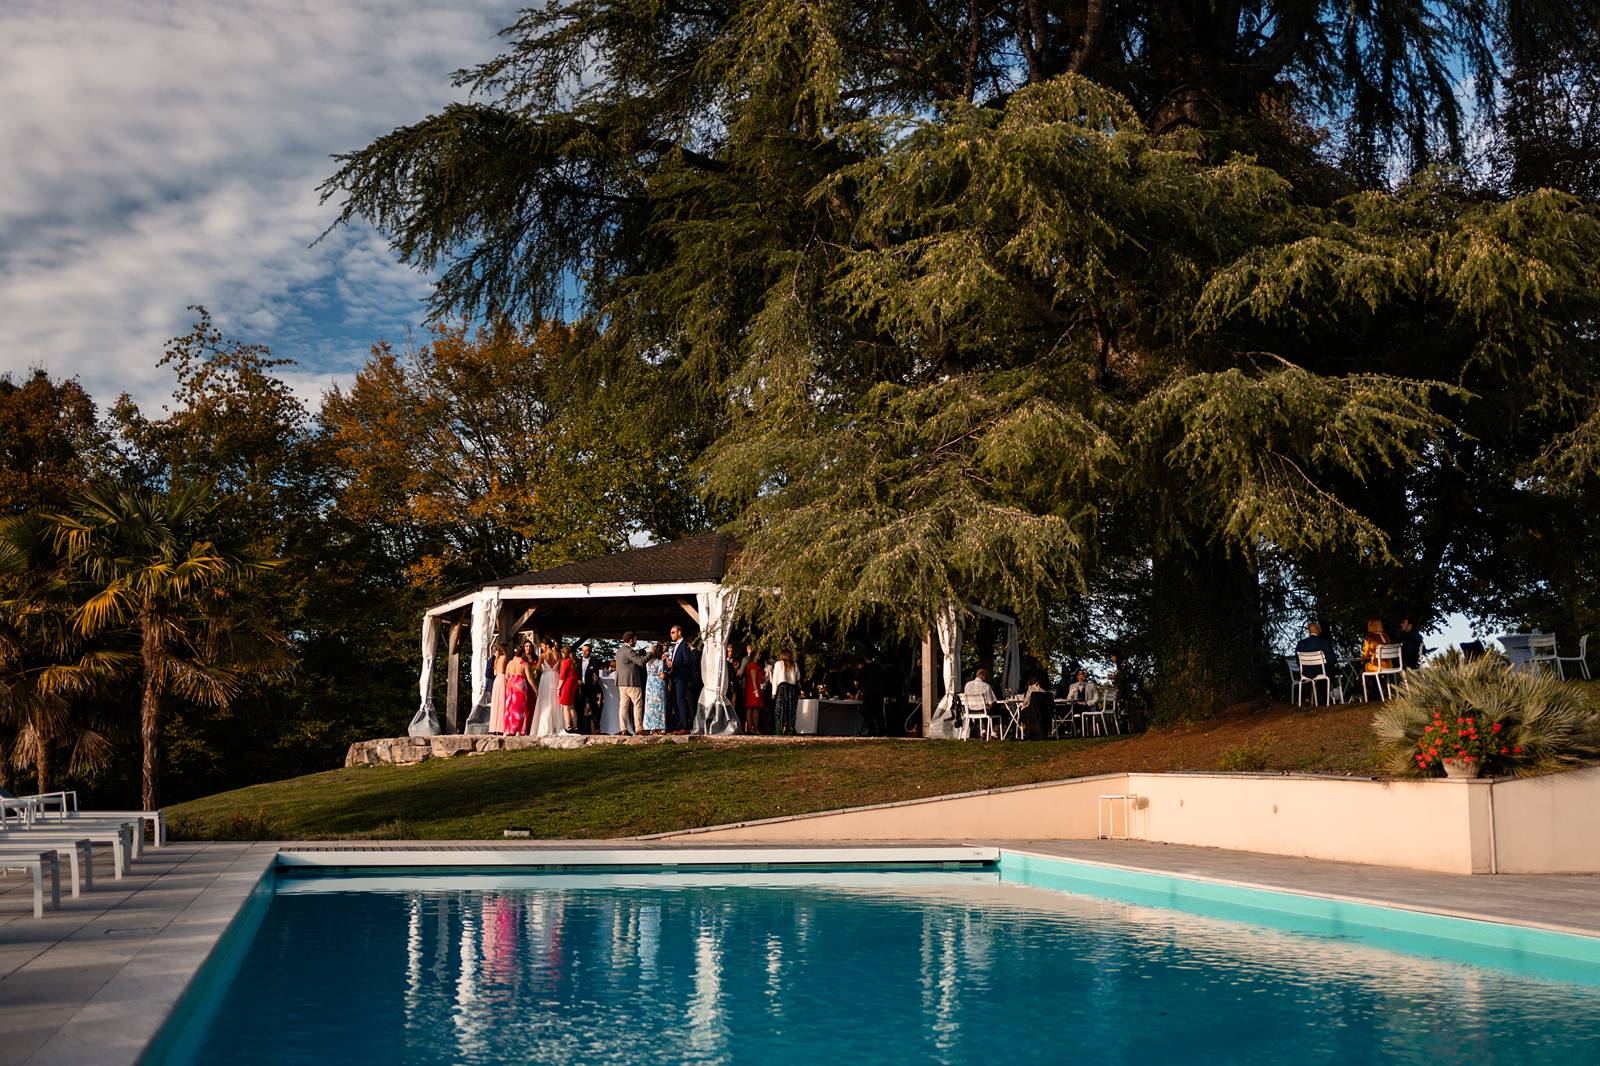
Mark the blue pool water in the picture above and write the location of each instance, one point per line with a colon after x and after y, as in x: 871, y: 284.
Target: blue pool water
x: 949, y: 967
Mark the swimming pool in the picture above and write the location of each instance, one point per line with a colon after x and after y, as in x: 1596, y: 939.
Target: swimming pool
x: 1026, y: 961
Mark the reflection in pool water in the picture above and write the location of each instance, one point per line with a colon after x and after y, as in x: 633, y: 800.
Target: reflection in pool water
x: 877, y: 968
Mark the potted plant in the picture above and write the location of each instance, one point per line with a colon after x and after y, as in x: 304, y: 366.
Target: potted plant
x: 1465, y: 717
x: 1460, y: 745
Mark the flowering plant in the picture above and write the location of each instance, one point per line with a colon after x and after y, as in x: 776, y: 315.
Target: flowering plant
x: 1467, y: 738
x: 1498, y: 720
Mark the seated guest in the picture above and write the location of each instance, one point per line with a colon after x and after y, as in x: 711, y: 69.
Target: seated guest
x: 1083, y: 693
x: 1037, y: 709
x: 1375, y: 639
x: 979, y: 686
x: 1411, y: 648
x: 1314, y: 641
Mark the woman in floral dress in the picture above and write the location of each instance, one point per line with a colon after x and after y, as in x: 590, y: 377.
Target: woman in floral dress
x: 655, y: 691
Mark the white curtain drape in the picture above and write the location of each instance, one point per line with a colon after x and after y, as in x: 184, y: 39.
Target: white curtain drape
x: 425, y: 723
x: 1013, y: 670
x: 713, y: 713
x: 485, y: 616
x: 948, y: 625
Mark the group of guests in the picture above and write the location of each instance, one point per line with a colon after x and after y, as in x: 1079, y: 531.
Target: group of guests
x: 1373, y: 642
x: 1076, y: 688
x: 552, y: 689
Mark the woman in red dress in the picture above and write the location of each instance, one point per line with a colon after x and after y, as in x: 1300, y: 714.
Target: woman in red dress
x: 755, y: 686
x: 516, y: 697
x: 569, y: 689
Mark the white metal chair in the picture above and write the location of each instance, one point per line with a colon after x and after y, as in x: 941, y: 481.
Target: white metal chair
x: 1099, y: 716
x: 975, y: 710
x: 1317, y: 662
x: 1542, y: 652
x: 1582, y: 659
x: 1390, y: 666
x: 1294, y: 674
x: 1111, y: 704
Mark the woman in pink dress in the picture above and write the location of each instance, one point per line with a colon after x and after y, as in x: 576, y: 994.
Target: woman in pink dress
x: 516, y: 709
x: 569, y: 690
x: 497, y: 697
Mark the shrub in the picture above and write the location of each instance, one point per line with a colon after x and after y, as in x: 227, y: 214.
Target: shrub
x: 1512, y: 721
x: 1249, y: 757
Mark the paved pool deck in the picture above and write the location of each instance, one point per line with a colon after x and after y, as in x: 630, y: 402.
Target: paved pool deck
x: 88, y: 985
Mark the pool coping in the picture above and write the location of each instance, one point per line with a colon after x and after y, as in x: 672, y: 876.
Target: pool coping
x: 116, y: 1024
x: 1337, y: 897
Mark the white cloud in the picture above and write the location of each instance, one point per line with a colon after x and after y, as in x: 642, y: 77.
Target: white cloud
x: 156, y: 155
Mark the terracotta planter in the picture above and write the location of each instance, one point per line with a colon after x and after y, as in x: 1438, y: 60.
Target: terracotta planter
x: 1462, y: 767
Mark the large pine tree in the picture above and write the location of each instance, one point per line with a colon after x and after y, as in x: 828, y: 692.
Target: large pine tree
x: 954, y: 295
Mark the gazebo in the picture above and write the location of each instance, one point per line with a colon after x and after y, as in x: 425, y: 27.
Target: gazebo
x: 643, y: 589
x: 646, y: 590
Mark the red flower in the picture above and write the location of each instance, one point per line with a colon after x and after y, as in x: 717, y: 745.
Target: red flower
x: 1517, y: 750
x: 1495, y: 728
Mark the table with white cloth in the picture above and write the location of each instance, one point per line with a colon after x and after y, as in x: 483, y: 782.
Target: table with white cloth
x: 610, y: 705
x: 1518, y: 649
x: 829, y: 718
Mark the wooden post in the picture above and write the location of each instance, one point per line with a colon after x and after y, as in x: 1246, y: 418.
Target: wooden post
x: 930, y: 681
x: 452, y: 699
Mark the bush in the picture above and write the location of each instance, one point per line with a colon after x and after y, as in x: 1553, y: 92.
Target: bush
x: 1513, y: 721
x: 1250, y: 757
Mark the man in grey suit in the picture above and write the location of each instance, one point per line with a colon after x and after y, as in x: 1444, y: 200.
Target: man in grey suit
x: 630, y: 685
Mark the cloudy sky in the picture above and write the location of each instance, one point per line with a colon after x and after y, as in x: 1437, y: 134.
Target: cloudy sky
x: 161, y: 153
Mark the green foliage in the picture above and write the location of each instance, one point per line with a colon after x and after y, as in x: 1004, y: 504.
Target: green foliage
x: 1252, y: 756
x: 1516, y: 721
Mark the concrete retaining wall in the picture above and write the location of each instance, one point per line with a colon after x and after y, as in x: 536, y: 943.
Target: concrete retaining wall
x: 1535, y: 825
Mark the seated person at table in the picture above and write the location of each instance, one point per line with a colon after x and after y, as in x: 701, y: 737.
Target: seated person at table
x: 1375, y: 638
x: 979, y: 686
x: 1411, y: 648
x: 1038, y: 708
x: 1083, y: 693
x: 1314, y: 641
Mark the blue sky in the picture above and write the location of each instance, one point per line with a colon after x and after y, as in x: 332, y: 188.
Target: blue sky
x: 161, y: 153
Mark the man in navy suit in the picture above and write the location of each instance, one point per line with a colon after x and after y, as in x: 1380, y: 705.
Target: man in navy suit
x: 681, y: 674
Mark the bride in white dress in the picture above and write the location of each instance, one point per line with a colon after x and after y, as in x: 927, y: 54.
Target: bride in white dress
x: 547, y: 717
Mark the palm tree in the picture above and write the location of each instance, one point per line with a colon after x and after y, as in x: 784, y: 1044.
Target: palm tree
x: 46, y: 666
x: 154, y: 573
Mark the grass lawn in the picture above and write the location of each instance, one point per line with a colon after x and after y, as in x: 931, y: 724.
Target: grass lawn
x: 617, y: 791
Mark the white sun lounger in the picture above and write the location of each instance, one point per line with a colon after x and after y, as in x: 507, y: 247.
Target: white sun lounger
x: 38, y: 863
x: 79, y: 855
x: 54, y: 806
x: 118, y: 836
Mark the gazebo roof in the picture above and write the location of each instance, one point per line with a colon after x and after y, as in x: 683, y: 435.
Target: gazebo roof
x: 701, y: 558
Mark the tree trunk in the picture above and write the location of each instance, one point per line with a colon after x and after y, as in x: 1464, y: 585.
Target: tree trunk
x: 1205, y: 630
x: 155, y: 684
x: 41, y: 763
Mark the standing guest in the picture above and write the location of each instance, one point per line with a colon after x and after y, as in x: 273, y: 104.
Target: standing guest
x: 1410, y: 645
x: 497, y: 695
x: 1374, y: 640
x: 568, y: 673
x: 732, y: 690
x: 655, y: 690
x: 785, y: 680
x: 515, y: 720
x: 630, y: 685
x: 680, y: 673
x: 753, y: 682
x: 588, y: 688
